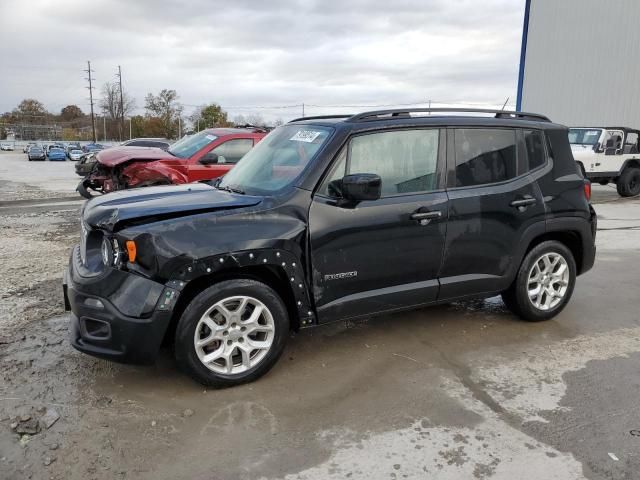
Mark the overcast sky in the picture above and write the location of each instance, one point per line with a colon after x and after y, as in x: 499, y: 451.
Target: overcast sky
x: 246, y: 54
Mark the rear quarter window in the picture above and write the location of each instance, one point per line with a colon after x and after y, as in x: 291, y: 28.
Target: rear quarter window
x: 484, y: 156
x: 536, y: 154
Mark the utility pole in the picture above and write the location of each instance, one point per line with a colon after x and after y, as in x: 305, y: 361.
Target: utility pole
x: 104, y: 128
x: 90, y: 87
x: 303, y: 109
x: 129, y: 128
x: 179, y: 128
x: 119, y: 75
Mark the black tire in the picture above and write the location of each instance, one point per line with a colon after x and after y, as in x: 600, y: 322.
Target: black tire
x: 516, y: 298
x: 82, y: 189
x: 185, y: 351
x: 628, y: 184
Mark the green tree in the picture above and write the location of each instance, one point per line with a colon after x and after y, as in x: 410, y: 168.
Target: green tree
x: 165, y: 106
x: 154, y: 127
x: 137, y: 126
x: 209, y: 116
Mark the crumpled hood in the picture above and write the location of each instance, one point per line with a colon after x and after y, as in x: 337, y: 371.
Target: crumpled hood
x: 117, y: 155
x: 113, y: 210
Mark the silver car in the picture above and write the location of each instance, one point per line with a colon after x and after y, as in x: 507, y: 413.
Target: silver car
x: 75, y: 154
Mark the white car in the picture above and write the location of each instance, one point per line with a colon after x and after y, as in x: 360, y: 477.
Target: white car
x: 6, y: 146
x: 608, y: 155
x: 75, y: 154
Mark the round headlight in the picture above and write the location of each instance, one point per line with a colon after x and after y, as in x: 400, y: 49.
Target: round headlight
x: 107, y: 252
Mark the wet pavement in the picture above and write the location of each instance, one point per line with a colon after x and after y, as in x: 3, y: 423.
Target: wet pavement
x: 459, y: 391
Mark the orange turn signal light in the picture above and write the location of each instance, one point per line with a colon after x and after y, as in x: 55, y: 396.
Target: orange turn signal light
x: 131, y: 250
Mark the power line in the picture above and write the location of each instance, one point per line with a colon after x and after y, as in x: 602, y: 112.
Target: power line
x: 90, y: 87
x: 119, y: 75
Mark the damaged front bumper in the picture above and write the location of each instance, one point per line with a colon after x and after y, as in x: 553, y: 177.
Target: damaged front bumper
x: 116, y: 315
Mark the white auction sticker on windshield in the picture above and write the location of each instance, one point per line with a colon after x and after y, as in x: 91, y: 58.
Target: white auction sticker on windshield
x: 211, y: 137
x: 307, y: 136
x: 593, y: 132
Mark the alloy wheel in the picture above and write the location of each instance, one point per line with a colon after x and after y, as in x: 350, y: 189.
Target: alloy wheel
x: 234, y: 335
x: 548, y: 281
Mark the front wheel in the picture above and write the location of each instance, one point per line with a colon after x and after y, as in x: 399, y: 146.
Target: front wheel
x: 83, y: 189
x: 628, y: 184
x: 231, y: 333
x: 544, y: 283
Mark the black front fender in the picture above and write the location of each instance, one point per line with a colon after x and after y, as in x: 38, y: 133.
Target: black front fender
x: 286, y: 262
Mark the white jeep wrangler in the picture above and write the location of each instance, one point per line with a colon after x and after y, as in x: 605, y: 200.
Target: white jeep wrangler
x: 608, y: 155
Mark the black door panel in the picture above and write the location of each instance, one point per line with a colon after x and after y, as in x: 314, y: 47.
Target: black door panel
x: 486, y: 222
x: 375, y: 257
x: 483, y: 234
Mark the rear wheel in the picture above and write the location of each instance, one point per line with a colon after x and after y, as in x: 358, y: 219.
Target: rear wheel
x: 231, y: 333
x: 544, y: 283
x: 629, y: 182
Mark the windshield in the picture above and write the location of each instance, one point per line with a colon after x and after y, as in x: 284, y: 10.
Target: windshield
x: 187, y: 146
x: 584, y: 136
x: 277, y: 160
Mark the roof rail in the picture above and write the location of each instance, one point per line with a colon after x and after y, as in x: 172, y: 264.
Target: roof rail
x: 406, y: 112
x: 321, y: 117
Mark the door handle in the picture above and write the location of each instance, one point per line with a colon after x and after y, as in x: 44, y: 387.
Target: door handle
x: 425, y: 217
x: 523, y: 202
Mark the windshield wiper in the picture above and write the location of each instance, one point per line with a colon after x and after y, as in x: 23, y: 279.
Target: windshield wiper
x: 229, y: 188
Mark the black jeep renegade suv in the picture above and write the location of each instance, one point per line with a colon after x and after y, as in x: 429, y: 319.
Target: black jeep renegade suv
x: 331, y: 218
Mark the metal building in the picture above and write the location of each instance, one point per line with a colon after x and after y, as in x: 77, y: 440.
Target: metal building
x: 580, y: 61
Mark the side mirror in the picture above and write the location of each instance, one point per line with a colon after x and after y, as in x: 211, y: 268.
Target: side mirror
x: 359, y: 187
x: 596, y: 147
x: 209, y: 159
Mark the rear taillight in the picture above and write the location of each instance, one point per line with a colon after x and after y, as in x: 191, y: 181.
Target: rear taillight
x: 587, y: 190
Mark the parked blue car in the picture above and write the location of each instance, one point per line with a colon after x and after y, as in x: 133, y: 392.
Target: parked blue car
x: 93, y: 147
x: 57, y: 154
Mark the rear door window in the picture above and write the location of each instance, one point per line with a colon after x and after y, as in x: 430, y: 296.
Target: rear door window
x: 484, y: 156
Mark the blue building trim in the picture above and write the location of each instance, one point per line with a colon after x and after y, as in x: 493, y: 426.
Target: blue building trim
x: 523, y: 54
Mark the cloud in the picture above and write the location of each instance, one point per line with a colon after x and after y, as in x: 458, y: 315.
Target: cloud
x: 247, y: 54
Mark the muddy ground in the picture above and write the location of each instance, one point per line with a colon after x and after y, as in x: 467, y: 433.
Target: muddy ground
x: 462, y: 391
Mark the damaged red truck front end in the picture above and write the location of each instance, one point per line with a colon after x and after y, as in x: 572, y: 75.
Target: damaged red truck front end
x: 206, y: 155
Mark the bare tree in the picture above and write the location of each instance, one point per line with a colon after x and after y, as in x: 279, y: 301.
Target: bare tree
x: 252, y: 119
x: 110, y: 105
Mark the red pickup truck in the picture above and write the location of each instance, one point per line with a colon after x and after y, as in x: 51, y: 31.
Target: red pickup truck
x: 205, y: 155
